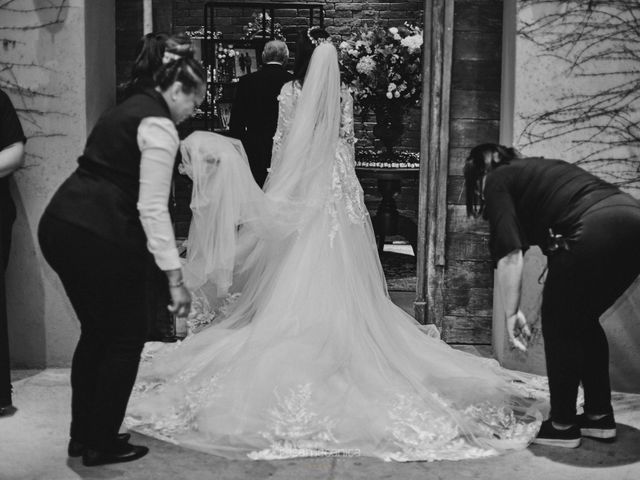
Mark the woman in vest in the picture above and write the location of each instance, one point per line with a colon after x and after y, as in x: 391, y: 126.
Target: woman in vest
x: 590, y: 232
x: 97, y: 233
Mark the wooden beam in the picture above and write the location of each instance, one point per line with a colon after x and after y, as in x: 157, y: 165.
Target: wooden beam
x: 434, y: 147
x: 443, y: 152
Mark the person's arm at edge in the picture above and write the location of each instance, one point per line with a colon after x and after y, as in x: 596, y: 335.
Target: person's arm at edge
x: 509, y: 276
x: 11, y: 158
x: 158, y: 142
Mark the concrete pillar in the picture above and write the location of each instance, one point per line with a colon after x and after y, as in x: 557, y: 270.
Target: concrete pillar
x: 147, y: 14
x: 63, y: 78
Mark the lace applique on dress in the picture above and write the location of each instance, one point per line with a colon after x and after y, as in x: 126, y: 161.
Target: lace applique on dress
x: 178, y: 418
x: 346, y: 190
x: 286, y: 106
x: 295, y: 430
x: 424, y: 434
x: 500, y: 422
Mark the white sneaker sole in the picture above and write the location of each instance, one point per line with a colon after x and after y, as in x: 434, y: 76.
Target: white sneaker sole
x: 550, y: 442
x: 605, y: 434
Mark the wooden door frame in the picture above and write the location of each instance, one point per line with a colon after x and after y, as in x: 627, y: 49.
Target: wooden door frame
x: 434, y: 160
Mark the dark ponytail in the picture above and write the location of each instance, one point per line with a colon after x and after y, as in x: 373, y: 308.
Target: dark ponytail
x: 475, y: 170
x: 473, y: 175
x: 148, y: 60
x: 185, y: 70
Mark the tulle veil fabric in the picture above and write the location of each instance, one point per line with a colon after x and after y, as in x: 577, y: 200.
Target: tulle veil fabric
x: 313, y: 358
x: 232, y: 217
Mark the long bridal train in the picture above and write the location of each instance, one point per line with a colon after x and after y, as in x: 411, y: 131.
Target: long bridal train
x: 314, y: 359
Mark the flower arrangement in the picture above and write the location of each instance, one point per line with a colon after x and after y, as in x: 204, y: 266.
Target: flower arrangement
x: 369, y: 157
x: 254, y: 29
x: 196, y: 34
x: 383, y: 66
x: 225, y: 62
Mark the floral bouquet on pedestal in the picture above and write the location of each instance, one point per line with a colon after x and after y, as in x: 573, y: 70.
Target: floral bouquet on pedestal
x: 225, y: 63
x: 369, y: 158
x: 262, y: 26
x: 383, y: 68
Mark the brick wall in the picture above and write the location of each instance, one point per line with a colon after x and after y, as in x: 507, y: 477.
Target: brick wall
x: 341, y: 18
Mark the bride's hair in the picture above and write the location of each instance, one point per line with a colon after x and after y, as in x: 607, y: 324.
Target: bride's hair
x: 307, y: 41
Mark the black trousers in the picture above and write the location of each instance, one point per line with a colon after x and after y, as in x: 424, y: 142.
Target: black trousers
x: 582, y: 283
x: 6, y: 222
x: 105, y: 285
x: 259, y: 156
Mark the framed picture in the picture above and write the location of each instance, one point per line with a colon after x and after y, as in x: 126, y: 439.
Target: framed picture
x: 246, y: 61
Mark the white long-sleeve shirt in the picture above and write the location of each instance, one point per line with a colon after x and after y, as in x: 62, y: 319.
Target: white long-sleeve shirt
x: 158, y: 142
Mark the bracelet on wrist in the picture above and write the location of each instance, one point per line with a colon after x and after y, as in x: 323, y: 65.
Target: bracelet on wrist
x: 177, y: 284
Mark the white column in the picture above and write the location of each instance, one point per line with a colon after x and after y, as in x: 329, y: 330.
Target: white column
x: 508, y: 83
x: 534, y: 261
x: 147, y: 16
x: 67, y: 77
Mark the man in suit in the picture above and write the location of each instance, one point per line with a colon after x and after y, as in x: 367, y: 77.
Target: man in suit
x: 254, y: 114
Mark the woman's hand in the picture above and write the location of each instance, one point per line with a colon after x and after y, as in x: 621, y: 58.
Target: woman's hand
x: 518, y: 331
x: 180, y: 301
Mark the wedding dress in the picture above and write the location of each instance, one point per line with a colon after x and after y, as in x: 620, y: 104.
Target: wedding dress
x: 311, y: 358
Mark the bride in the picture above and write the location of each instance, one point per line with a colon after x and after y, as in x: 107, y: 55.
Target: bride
x: 312, y: 358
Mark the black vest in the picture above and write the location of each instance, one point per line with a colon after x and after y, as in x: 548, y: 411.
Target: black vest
x: 101, y: 195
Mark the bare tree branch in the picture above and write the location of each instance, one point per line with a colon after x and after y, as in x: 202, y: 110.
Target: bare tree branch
x: 25, y: 97
x: 594, y: 39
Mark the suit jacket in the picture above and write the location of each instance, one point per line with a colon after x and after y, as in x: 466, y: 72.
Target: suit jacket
x: 254, y: 115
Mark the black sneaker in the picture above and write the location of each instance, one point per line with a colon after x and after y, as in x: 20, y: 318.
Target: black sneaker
x: 603, y: 429
x: 549, y: 435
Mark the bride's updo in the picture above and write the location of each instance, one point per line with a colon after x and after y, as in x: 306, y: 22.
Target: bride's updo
x: 307, y: 41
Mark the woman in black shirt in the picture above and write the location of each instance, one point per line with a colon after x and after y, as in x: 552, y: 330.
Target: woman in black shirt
x: 590, y: 232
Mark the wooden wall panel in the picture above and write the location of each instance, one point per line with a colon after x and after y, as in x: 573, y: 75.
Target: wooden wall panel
x: 476, y: 75
x: 465, y: 302
x: 477, y: 46
x: 461, y: 330
x: 475, y: 118
x: 478, y: 16
x: 468, y: 132
x: 475, y: 104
